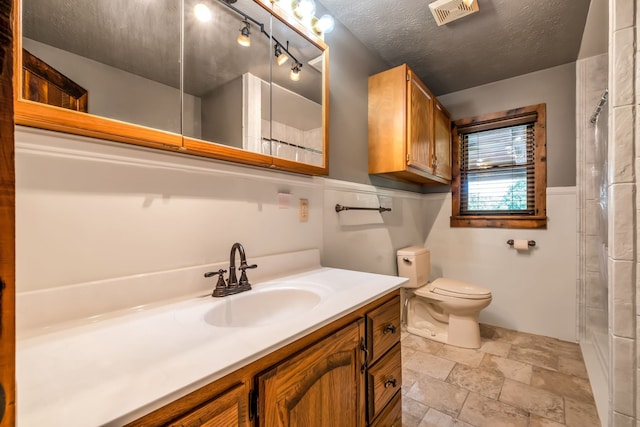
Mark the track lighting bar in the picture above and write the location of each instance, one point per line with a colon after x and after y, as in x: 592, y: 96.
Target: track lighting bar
x: 279, y: 47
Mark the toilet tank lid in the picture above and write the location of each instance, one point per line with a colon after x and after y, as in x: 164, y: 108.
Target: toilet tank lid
x: 454, y: 287
x: 412, y: 251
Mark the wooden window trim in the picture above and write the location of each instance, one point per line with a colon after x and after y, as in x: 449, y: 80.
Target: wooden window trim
x: 493, y: 121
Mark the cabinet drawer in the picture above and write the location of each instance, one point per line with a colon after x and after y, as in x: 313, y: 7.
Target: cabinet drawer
x: 391, y: 416
x: 383, y: 328
x: 384, y: 380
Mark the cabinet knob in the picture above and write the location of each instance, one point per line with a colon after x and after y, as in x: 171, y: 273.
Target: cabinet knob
x: 389, y: 329
x: 391, y: 382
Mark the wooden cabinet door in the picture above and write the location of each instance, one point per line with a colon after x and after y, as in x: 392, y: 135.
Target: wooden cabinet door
x: 321, y: 386
x: 419, y: 126
x: 442, y: 137
x: 227, y: 410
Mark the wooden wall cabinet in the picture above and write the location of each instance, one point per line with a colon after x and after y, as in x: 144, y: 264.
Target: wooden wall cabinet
x: 409, y: 130
x: 347, y: 373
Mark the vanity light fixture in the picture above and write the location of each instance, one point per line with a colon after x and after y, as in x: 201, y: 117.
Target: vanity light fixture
x: 295, y: 71
x: 281, y: 57
x: 303, y: 8
x: 323, y: 25
x: 202, y: 12
x: 244, y: 39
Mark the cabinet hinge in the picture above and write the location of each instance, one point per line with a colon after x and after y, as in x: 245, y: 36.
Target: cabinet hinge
x: 253, y: 404
x: 408, y: 158
x: 408, y: 77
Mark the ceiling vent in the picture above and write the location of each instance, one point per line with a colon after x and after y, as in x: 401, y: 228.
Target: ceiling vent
x: 445, y: 11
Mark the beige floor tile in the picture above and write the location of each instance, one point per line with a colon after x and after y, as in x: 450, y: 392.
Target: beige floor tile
x: 466, y: 356
x: 566, y: 349
x: 436, y: 418
x: 437, y: 394
x: 538, y: 421
x: 426, y: 363
x: 483, y: 380
x: 580, y: 414
x: 496, y: 348
x: 565, y: 385
x: 540, y: 402
x: 409, y: 420
x: 572, y: 367
x: 480, y: 411
x: 413, y: 408
x: 421, y: 344
x: 534, y: 356
x: 409, y: 377
x: 511, y: 369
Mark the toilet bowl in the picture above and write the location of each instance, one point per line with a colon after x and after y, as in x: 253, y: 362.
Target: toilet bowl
x: 445, y: 310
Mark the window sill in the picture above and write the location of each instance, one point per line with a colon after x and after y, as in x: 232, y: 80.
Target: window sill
x: 497, y: 221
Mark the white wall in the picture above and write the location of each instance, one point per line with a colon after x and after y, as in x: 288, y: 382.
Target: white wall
x: 554, y: 86
x: 533, y: 291
x: 368, y: 240
x: 88, y: 210
x: 120, y: 95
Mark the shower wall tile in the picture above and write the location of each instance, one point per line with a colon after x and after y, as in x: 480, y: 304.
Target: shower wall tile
x: 624, y: 320
x: 622, y: 273
x: 621, y: 154
x: 592, y: 216
x: 622, y: 88
x: 624, y: 14
x: 592, y: 245
x: 596, y: 292
x: 621, y: 221
x: 620, y: 420
x: 624, y: 380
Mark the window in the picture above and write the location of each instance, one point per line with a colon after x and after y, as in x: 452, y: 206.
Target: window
x: 499, y: 170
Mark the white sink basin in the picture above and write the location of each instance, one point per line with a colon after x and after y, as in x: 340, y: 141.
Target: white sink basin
x: 259, y: 307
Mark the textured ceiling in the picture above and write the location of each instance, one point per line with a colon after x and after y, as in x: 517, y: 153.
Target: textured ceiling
x: 505, y: 38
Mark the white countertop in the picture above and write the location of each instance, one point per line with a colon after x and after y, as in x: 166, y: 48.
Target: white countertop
x: 114, y: 370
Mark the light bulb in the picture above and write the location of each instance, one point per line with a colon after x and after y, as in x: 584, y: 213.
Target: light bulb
x: 282, y: 58
x: 202, y: 12
x: 324, y: 25
x: 467, y: 3
x: 295, y: 73
x: 304, y: 8
x: 244, y: 38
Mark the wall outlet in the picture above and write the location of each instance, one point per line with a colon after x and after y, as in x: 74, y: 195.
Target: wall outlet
x: 304, y: 210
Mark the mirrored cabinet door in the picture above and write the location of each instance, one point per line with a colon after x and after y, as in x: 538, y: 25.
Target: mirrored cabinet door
x: 296, y: 98
x: 117, y: 59
x: 227, y: 49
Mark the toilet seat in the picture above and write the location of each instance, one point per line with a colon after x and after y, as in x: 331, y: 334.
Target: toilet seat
x: 454, y: 288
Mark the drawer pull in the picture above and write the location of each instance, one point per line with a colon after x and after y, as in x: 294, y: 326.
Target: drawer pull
x: 390, y: 383
x: 389, y: 329
x: 365, y: 350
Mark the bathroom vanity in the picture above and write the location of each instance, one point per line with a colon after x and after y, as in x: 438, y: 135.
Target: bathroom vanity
x: 335, y: 376
x: 317, y: 347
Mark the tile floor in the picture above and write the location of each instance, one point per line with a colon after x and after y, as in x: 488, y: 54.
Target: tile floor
x: 514, y: 379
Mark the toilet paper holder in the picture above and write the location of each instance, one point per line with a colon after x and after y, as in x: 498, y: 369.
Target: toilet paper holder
x: 531, y: 243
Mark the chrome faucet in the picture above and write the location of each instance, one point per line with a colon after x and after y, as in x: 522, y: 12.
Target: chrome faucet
x: 233, y: 285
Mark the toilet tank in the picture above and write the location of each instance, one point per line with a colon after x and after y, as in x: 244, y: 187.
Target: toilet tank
x: 414, y: 263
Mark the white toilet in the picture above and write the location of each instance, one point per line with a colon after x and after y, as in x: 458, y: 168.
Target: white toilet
x: 445, y: 310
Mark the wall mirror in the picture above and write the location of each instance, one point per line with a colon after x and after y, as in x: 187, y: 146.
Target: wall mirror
x: 169, y: 74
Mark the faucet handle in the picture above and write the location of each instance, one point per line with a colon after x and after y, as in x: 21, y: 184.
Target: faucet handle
x: 213, y: 273
x: 221, y: 287
x: 244, y: 266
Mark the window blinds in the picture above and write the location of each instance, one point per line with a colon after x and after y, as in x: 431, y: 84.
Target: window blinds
x: 497, y: 170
